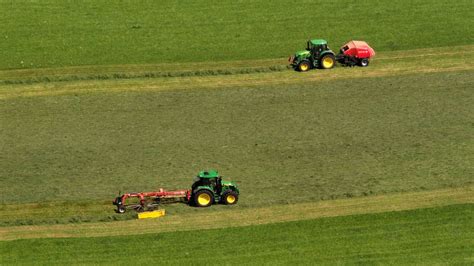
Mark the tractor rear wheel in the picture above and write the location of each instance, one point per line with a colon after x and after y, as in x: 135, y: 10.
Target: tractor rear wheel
x: 203, y: 198
x: 327, y: 61
x: 230, y: 197
x: 304, y: 66
x: 364, y: 62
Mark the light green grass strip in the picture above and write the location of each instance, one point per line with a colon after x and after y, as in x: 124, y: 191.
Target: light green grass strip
x: 386, y: 64
x: 126, y: 71
x: 231, y: 217
x: 442, y: 235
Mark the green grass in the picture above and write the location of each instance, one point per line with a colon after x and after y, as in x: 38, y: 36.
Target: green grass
x: 36, y: 34
x: 324, y: 140
x: 427, y: 236
x: 100, y: 97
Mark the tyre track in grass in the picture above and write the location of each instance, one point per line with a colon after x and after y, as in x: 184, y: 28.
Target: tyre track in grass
x: 386, y: 64
x: 234, y: 217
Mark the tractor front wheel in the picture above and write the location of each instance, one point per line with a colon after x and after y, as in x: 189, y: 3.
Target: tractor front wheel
x: 364, y: 62
x: 304, y: 66
x: 230, y: 197
x: 203, y: 198
x: 327, y: 61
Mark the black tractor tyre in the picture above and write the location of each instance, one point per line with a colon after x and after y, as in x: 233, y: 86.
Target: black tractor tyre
x: 203, y: 198
x: 364, y: 62
x: 304, y: 66
x: 325, y: 58
x: 229, y: 197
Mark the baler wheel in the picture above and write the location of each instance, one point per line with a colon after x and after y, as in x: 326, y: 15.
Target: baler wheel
x: 304, y: 66
x: 364, y: 62
x: 230, y: 197
x: 327, y: 61
x: 203, y: 198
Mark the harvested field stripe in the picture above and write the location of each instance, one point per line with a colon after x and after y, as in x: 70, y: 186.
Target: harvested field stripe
x: 251, y: 216
x: 387, y: 64
x: 139, y: 69
x: 31, y: 76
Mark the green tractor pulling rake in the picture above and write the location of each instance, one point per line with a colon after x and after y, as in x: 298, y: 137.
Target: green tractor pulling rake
x: 208, y: 188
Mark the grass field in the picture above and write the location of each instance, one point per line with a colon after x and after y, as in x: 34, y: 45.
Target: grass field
x: 339, y: 138
x: 429, y: 236
x: 62, y: 33
x: 349, y: 165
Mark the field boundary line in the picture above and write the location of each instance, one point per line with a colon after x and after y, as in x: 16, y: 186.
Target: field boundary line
x: 235, y: 217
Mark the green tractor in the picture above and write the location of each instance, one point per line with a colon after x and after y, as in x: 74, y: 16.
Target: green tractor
x: 316, y: 55
x: 209, y: 188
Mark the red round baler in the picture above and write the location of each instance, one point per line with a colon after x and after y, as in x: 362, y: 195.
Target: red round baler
x: 355, y: 53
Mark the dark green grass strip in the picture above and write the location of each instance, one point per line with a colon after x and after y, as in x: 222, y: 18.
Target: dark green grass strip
x: 437, y: 235
x: 64, y: 33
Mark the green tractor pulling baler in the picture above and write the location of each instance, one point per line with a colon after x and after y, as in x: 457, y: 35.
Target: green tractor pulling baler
x: 209, y: 188
x: 316, y: 55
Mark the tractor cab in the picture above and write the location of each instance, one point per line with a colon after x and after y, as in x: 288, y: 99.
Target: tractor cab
x: 208, y: 178
x: 209, y: 188
x: 316, y: 55
x: 315, y: 47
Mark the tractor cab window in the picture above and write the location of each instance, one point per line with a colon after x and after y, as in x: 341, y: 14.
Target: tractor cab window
x: 200, y: 182
x: 319, y: 48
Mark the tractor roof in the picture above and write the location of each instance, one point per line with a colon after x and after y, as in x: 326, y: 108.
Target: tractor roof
x: 208, y: 174
x: 318, y: 42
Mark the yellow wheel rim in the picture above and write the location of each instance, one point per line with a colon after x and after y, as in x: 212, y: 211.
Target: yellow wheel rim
x: 230, y: 199
x: 328, y: 62
x: 304, y: 67
x: 204, y: 199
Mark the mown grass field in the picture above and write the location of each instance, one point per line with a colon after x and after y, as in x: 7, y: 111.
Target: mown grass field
x: 428, y: 236
x: 54, y: 33
x: 291, y: 143
x: 349, y: 165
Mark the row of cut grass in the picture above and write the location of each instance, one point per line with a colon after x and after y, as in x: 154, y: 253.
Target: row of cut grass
x: 117, y: 79
x: 185, y: 218
x: 396, y: 62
